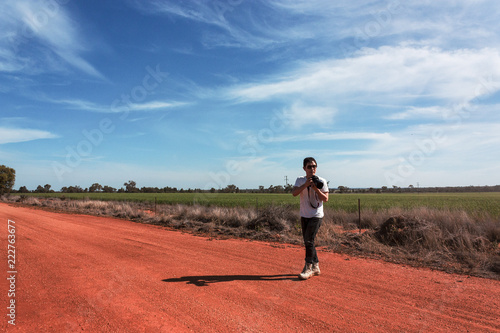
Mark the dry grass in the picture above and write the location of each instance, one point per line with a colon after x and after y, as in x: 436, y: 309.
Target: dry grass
x: 447, y: 240
x: 452, y: 241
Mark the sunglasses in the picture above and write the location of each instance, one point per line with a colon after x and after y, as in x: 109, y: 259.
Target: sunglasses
x: 311, y: 166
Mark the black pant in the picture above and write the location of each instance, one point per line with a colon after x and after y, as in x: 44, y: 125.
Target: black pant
x: 310, y: 227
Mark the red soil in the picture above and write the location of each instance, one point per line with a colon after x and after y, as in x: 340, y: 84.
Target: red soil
x: 84, y: 273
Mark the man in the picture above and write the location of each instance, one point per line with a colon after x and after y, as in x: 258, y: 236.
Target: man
x: 313, y: 192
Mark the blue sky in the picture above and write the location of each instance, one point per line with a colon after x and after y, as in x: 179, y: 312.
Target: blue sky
x: 201, y: 94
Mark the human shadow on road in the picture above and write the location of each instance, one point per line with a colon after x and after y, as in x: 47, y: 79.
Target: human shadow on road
x: 202, y: 281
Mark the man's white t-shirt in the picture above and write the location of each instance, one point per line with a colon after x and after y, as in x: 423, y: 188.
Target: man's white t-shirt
x: 310, y: 205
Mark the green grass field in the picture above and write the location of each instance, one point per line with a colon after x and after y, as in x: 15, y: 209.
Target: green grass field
x: 472, y: 203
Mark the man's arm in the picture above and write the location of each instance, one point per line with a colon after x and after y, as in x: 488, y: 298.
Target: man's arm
x: 323, y: 196
x: 297, y: 189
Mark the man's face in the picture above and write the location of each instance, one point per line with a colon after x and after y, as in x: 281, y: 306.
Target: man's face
x: 310, y: 169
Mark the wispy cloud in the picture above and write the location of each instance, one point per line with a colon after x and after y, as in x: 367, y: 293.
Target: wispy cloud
x: 432, y: 112
x: 336, y: 26
x: 225, y: 16
x: 245, y: 24
x: 386, y: 137
x: 116, y: 107
x: 47, y: 23
x: 14, y: 135
x: 299, y: 115
x: 386, y: 74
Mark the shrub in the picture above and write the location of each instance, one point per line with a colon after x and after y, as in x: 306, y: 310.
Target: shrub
x: 409, y: 231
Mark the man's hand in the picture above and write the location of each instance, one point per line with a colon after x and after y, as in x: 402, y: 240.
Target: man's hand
x: 296, y: 190
x: 323, y: 196
x: 309, y: 182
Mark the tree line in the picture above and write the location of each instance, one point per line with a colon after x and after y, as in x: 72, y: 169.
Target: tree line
x: 131, y: 187
x: 413, y: 189
x: 8, y: 177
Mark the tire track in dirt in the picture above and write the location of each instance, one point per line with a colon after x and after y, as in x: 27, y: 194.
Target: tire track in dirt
x: 86, y: 273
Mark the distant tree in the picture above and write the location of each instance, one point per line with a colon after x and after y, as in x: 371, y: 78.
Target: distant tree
x: 131, y: 186
x: 231, y: 189
x: 7, y: 179
x: 72, y: 189
x: 288, y: 188
x: 168, y: 189
x: 108, y: 189
x: 150, y: 190
x: 40, y: 189
x: 278, y: 189
x: 343, y: 189
x: 23, y: 189
x: 96, y: 187
x: 47, y: 188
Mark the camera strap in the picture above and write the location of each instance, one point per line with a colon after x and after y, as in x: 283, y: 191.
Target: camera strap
x: 315, y: 196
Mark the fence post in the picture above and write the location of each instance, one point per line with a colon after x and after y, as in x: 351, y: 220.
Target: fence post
x: 359, y: 214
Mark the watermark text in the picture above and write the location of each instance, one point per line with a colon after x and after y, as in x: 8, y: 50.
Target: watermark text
x: 11, y: 271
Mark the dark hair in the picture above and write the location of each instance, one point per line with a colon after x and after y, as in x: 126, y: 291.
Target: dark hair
x: 309, y: 160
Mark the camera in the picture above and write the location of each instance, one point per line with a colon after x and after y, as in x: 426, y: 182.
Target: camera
x: 317, y: 182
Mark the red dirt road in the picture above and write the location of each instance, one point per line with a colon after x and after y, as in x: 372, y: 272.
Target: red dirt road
x: 83, y: 273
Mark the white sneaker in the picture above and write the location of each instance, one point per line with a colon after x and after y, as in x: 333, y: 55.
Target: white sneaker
x: 315, y: 269
x: 307, y: 272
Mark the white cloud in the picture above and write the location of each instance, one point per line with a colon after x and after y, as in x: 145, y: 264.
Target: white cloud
x: 13, y: 135
x: 337, y: 136
x: 299, y: 115
x: 44, y: 22
x: 432, y: 154
x: 386, y: 74
x: 338, y: 26
x: 225, y: 16
x: 434, y: 149
x: 83, y: 105
x: 432, y: 112
x: 267, y: 23
x: 155, y: 105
